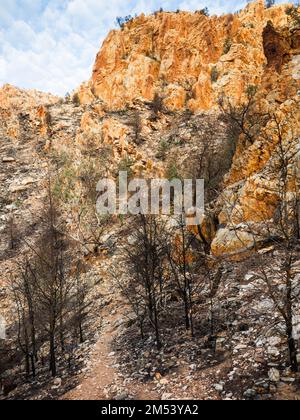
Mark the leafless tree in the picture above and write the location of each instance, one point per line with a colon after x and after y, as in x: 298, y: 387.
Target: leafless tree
x: 42, y: 290
x: 180, y: 259
x: 210, y: 163
x: 13, y: 232
x: 285, y: 268
x: 246, y: 119
x: 81, y: 302
x: 278, y: 272
x: 145, y: 259
x: 136, y: 300
x: 136, y: 124
x: 25, y: 299
x: 88, y: 227
x: 157, y: 105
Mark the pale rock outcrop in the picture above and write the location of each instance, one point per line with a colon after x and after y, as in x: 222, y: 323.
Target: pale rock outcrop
x: 20, y: 99
x: 230, y: 242
x: 15, y: 102
x: 85, y: 93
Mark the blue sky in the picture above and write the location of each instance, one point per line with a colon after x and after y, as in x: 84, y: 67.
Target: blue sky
x: 51, y: 45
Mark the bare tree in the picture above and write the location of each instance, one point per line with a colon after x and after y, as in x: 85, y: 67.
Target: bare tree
x: 42, y: 290
x: 136, y: 124
x: 145, y: 259
x: 88, y: 227
x: 246, y: 119
x: 181, y: 265
x: 210, y: 163
x: 25, y: 299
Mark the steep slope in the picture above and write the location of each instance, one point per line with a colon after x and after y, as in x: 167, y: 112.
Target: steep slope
x: 193, y: 61
x: 26, y: 128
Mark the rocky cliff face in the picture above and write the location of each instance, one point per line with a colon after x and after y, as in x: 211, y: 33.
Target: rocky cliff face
x: 31, y: 104
x: 191, y: 59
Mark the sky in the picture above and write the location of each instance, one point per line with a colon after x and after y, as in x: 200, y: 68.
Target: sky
x: 51, y: 45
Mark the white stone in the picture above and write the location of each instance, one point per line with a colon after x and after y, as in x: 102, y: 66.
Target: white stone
x: 8, y: 159
x: 273, y: 351
x: 274, y: 341
x: 57, y: 383
x: 166, y: 396
x: 274, y: 375
x: 164, y: 381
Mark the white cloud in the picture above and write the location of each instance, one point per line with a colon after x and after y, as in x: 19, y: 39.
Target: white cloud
x: 2, y: 70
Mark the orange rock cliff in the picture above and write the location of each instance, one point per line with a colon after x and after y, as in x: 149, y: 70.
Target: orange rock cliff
x: 191, y: 59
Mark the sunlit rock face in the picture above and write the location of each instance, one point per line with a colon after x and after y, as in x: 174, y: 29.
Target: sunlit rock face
x: 16, y: 102
x: 189, y: 58
x: 16, y: 99
x: 190, y: 61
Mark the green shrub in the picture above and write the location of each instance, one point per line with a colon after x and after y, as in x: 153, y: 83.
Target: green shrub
x: 172, y: 172
x: 227, y: 46
x: 163, y: 149
x: 48, y: 118
x: 204, y: 12
x: 251, y: 91
x: 270, y: 3
x: 59, y: 159
x: 125, y: 165
x: 76, y: 99
x: 214, y: 74
x: 157, y: 104
x: 121, y: 21
x: 64, y: 186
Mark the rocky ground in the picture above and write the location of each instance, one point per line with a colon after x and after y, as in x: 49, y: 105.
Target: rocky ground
x: 246, y: 361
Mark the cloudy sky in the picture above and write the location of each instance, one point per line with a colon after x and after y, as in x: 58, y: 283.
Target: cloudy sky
x: 51, y: 45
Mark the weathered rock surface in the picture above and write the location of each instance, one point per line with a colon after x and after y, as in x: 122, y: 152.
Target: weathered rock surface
x: 191, y: 61
x: 177, y: 52
x: 18, y: 105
